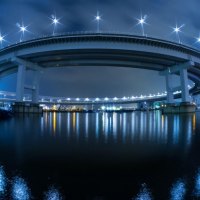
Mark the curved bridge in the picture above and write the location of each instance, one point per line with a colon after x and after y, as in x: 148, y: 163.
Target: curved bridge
x: 100, y: 49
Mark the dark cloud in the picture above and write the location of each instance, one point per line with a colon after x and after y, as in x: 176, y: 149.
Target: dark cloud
x: 118, y: 15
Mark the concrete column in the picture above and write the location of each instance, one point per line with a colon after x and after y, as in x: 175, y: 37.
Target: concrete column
x: 35, y: 93
x: 184, y: 85
x: 170, y: 96
x: 20, y: 83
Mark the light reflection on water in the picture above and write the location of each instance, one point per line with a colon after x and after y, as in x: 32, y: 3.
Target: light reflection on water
x: 97, y: 126
x: 144, y: 193
x: 178, y: 190
x: 2, y: 181
x: 53, y: 194
x: 122, y: 127
x: 196, y: 192
x: 20, y: 190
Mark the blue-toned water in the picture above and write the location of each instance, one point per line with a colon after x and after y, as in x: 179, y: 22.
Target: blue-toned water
x: 136, y: 156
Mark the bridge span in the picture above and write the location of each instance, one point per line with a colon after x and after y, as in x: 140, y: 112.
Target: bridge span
x: 10, y: 97
x: 101, y: 49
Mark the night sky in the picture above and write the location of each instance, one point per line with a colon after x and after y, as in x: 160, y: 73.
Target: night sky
x: 118, y: 16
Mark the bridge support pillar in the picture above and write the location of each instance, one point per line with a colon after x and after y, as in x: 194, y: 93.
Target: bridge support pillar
x: 184, y: 85
x: 170, y: 96
x: 20, y: 83
x: 35, y: 91
x: 185, y: 106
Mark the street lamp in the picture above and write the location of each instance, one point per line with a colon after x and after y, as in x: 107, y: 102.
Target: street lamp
x: 141, y: 22
x: 22, y: 30
x: 98, y: 19
x: 177, y: 30
x: 55, y: 22
x: 198, y: 39
x: 2, y: 39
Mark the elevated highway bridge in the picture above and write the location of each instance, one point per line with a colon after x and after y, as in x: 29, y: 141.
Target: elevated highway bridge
x: 100, y: 49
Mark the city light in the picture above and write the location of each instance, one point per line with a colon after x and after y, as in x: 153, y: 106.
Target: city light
x: 98, y: 19
x: 141, y: 22
x: 103, y: 107
x: 55, y: 22
x: 10, y: 95
x: 177, y: 30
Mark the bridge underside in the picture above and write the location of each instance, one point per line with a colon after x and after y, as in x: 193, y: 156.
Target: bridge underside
x: 100, y: 58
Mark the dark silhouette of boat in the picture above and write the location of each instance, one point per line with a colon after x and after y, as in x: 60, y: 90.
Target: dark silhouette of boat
x: 5, y: 114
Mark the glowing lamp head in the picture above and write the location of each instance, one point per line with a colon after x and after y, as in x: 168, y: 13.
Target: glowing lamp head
x: 198, y: 39
x: 98, y: 18
x: 141, y: 21
x: 1, y: 38
x: 177, y: 29
x: 55, y: 21
x: 23, y: 29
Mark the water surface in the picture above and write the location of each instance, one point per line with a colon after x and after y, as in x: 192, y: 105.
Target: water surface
x: 139, y: 155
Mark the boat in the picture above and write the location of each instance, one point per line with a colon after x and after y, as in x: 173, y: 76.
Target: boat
x: 5, y: 114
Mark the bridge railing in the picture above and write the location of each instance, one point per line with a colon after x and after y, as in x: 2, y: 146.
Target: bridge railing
x: 110, y: 33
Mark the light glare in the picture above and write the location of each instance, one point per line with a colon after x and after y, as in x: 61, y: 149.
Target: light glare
x: 177, y: 30
x: 141, y: 22
x: 55, y: 22
x: 1, y: 38
x: 98, y: 19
